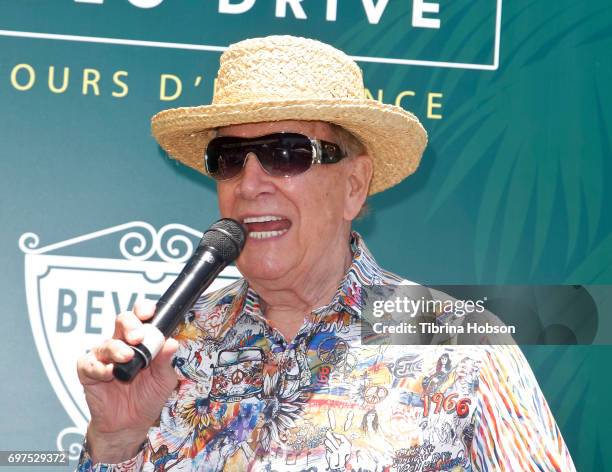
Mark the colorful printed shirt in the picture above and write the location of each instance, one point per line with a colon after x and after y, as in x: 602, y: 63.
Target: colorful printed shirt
x: 248, y: 399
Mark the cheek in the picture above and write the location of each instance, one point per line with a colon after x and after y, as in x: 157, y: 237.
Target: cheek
x: 331, y: 197
x: 225, y: 199
x: 324, y: 208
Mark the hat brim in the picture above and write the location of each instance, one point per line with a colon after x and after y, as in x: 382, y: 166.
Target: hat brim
x: 393, y: 137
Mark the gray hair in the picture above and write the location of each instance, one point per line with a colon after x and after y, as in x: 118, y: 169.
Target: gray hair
x: 347, y: 141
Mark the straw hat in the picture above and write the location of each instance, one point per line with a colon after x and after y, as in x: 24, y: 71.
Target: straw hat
x: 289, y: 78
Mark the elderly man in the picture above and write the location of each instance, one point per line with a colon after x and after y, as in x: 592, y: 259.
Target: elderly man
x: 270, y: 372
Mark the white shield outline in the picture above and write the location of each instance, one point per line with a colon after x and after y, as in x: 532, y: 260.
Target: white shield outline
x: 173, y: 250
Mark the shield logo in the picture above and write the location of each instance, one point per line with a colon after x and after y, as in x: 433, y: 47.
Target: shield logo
x: 73, y: 299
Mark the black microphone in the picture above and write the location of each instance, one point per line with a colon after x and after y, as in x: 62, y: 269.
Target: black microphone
x: 220, y: 245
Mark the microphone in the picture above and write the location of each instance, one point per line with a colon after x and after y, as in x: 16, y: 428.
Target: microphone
x: 220, y: 245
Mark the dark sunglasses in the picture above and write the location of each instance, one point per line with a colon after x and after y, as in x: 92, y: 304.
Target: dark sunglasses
x: 280, y: 154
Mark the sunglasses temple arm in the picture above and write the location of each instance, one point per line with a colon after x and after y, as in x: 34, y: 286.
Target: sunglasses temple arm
x: 317, y: 152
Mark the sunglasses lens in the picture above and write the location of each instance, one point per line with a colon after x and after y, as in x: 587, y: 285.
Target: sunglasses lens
x: 280, y: 154
x: 224, y: 159
x: 290, y: 155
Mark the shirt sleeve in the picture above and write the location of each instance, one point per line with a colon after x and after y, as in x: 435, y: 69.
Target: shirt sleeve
x: 514, y: 428
x: 134, y: 464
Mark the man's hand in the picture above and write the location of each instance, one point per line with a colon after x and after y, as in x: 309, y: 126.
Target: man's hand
x: 337, y: 450
x: 337, y: 446
x: 122, y: 413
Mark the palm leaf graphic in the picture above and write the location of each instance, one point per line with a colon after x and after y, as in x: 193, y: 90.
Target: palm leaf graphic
x: 536, y: 131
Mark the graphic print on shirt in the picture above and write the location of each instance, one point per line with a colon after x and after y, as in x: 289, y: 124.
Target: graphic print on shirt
x: 321, y: 399
x: 325, y: 397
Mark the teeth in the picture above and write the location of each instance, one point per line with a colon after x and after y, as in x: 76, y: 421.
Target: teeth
x: 266, y: 234
x: 261, y: 219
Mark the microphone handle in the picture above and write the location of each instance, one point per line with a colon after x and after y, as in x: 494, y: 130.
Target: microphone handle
x: 199, y: 272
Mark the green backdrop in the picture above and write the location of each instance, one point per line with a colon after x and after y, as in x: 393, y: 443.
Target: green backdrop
x: 513, y: 187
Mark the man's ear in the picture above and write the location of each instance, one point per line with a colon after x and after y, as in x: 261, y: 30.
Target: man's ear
x: 360, y: 169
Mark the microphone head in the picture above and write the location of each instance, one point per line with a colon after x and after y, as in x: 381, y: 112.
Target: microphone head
x: 227, y: 236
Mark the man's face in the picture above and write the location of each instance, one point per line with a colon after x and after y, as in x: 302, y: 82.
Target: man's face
x: 295, y: 223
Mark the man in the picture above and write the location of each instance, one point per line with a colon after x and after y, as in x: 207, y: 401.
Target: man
x: 281, y: 380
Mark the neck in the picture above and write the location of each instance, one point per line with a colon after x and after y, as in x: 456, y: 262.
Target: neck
x: 286, y: 301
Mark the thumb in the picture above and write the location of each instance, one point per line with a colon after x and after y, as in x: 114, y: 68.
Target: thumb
x: 162, y: 364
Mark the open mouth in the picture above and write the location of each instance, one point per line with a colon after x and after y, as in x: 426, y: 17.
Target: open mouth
x: 266, y: 226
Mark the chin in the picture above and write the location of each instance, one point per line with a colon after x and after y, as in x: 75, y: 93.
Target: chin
x: 260, y: 267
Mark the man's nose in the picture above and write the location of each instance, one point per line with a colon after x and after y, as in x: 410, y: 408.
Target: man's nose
x: 254, y: 180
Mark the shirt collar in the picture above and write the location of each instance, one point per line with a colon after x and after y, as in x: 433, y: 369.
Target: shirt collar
x: 364, y: 270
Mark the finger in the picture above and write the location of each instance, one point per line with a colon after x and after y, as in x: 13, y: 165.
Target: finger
x: 329, y: 446
x: 334, y: 461
x: 331, y: 417
x: 144, y: 309
x: 349, y: 420
x: 128, y: 327
x: 113, y: 350
x: 332, y: 439
x: 90, y: 370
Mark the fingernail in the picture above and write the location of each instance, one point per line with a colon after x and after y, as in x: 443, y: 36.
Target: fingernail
x: 146, y: 305
x: 150, y: 303
x: 136, y: 334
x: 125, y: 351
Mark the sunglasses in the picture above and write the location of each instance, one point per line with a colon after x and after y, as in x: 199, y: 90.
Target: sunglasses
x: 280, y: 154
